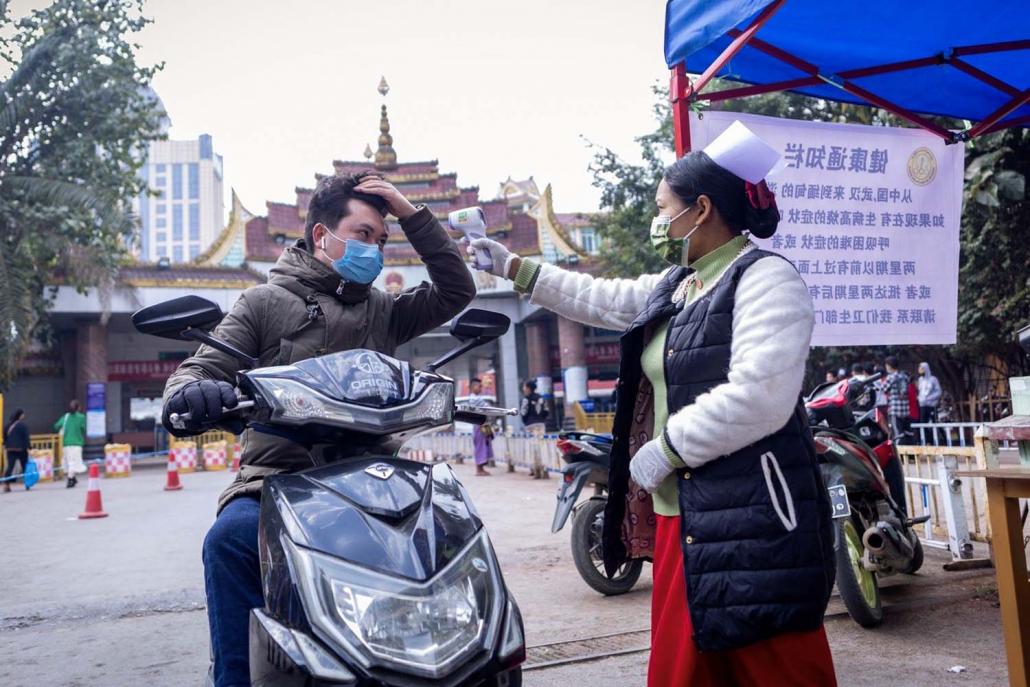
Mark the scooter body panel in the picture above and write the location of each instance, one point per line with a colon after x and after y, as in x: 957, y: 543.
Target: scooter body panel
x: 574, y: 476
x: 849, y: 463
x: 311, y: 508
x: 410, y: 524
x: 284, y: 657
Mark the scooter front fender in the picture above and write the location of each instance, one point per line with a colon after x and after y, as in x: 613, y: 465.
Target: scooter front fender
x: 568, y: 491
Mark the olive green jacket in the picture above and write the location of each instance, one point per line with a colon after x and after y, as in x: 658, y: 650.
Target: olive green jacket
x: 305, y: 310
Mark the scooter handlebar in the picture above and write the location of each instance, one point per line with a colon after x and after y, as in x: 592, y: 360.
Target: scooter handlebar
x: 179, y: 420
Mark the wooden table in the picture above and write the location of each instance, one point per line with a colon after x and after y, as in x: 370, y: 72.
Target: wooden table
x: 1005, y: 486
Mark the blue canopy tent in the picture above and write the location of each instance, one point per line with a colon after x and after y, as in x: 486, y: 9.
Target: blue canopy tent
x: 914, y: 58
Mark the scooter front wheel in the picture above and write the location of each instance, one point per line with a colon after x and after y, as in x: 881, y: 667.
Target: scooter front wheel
x: 858, y: 587
x: 587, y: 524
x: 512, y: 678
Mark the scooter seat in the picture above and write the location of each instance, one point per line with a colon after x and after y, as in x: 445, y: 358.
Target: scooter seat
x: 604, y: 460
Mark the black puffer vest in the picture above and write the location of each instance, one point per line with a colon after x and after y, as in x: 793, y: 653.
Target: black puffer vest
x: 755, y: 529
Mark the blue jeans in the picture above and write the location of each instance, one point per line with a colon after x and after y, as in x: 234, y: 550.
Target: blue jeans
x: 232, y: 577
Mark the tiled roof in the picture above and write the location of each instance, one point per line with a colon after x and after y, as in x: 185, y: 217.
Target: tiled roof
x: 188, y: 276
x: 284, y: 217
x: 404, y: 168
x: 574, y: 219
x: 523, y: 238
x: 260, y: 245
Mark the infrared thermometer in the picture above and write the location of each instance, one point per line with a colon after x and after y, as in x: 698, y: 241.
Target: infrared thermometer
x: 472, y: 223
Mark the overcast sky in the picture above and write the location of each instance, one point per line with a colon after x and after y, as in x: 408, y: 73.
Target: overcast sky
x: 489, y: 88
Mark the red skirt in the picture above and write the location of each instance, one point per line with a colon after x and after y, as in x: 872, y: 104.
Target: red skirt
x: 795, y: 658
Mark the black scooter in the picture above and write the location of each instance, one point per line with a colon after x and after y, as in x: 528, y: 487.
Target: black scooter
x: 376, y: 571
x: 588, y: 460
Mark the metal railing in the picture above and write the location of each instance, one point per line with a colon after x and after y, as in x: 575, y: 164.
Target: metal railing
x: 38, y: 442
x: 957, y: 507
x: 592, y: 422
x: 514, y: 448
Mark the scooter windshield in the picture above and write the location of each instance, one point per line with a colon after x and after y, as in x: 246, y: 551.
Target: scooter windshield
x: 359, y: 376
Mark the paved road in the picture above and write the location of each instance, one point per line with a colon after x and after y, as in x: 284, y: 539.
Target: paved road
x: 119, y: 601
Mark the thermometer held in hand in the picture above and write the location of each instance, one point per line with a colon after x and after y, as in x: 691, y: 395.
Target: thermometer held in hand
x: 472, y: 223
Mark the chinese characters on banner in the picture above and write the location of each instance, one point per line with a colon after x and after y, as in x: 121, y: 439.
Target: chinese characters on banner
x: 870, y: 217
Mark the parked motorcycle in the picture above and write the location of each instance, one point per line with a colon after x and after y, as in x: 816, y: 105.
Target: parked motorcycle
x: 376, y: 571
x: 588, y: 459
x: 873, y: 536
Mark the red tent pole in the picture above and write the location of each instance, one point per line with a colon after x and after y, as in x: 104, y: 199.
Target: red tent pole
x: 1018, y: 121
x: 996, y: 116
x: 739, y: 41
x: 844, y: 85
x: 679, y: 89
x: 981, y: 75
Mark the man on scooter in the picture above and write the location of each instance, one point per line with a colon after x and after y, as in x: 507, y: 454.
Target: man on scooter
x: 319, y: 299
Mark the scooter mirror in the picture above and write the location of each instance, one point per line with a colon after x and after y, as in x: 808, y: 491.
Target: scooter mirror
x: 481, y: 325
x: 171, y: 319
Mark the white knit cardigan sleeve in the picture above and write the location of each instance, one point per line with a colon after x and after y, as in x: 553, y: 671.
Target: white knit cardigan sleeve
x: 772, y: 330
x: 593, y: 301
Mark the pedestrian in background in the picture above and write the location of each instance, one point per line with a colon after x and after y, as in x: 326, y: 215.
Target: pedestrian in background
x: 896, y: 387
x: 929, y: 394
x: 533, y: 412
x: 16, y: 439
x: 831, y: 377
x: 72, y: 428
x: 482, y: 435
x: 880, y: 386
x: 866, y: 401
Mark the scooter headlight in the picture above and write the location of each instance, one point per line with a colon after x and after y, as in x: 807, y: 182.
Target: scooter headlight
x: 424, y: 629
x: 296, y: 403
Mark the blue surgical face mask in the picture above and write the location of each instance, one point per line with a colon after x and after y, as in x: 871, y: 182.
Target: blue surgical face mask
x: 360, y: 263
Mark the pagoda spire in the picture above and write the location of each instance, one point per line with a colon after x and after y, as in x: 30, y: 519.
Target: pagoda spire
x: 386, y: 156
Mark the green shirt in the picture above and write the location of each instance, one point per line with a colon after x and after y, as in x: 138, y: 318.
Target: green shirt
x: 74, y: 425
x: 706, y: 270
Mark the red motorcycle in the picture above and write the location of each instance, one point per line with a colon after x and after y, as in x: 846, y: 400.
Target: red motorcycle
x: 873, y: 536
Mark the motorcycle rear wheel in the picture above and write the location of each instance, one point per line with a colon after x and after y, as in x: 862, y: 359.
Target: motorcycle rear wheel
x: 587, y: 524
x: 858, y: 587
x: 917, y: 559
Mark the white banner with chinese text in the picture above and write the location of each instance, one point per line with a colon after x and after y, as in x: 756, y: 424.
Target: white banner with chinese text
x: 870, y: 218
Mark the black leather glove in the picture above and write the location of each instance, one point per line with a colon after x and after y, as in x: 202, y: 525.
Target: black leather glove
x: 203, y: 400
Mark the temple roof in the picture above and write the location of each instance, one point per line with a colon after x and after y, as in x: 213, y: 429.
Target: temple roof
x: 520, y: 216
x: 188, y: 276
x: 230, y: 246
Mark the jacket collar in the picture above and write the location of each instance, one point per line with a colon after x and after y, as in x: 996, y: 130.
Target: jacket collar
x: 297, y: 267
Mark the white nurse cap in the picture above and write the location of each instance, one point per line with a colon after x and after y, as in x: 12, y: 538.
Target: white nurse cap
x: 739, y: 150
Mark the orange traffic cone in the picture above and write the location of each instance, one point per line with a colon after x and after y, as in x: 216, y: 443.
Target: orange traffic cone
x: 173, y: 483
x: 94, y: 507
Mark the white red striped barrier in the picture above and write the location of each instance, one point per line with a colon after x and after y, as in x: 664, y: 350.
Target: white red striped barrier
x: 117, y: 460
x: 214, y: 456
x: 183, y: 455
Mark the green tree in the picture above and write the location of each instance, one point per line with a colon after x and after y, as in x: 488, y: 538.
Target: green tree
x: 75, y: 113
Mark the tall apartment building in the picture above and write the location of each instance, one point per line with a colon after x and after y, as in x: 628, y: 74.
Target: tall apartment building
x: 186, y: 214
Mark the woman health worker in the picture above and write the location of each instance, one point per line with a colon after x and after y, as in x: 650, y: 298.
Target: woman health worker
x: 714, y: 473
